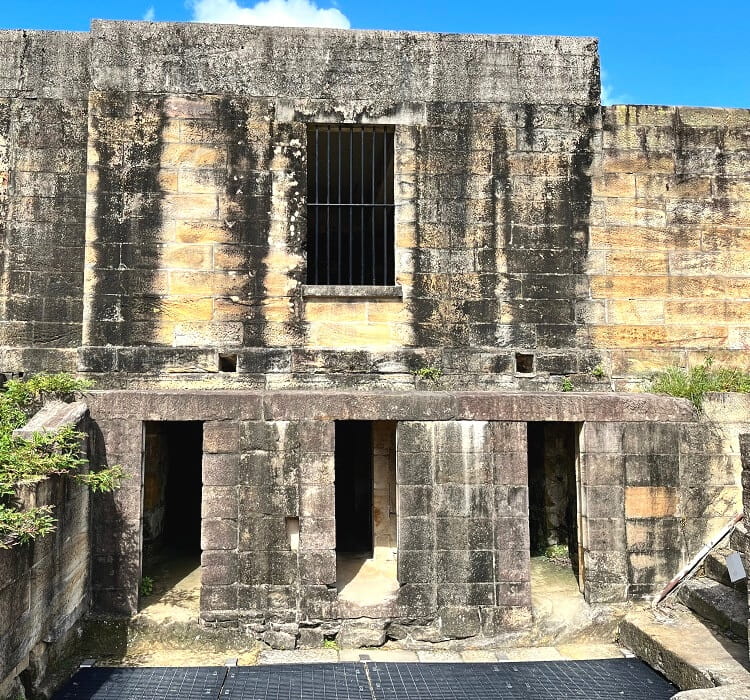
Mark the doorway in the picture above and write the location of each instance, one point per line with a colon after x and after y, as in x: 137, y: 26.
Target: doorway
x: 366, y: 518
x: 171, y: 524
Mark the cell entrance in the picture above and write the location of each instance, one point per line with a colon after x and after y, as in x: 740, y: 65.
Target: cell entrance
x: 172, y: 486
x: 365, y: 486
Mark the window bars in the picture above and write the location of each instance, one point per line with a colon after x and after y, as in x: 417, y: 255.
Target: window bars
x: 350, y: 207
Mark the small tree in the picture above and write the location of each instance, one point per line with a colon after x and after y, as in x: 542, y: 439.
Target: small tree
x: 27, y: 462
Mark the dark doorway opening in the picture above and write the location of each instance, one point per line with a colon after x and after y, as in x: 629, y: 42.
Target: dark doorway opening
x: 553, y: 492
x: 172, y: 490
x: 353, y: 476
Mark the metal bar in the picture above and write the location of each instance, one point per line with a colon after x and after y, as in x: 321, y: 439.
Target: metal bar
x: 317, y: 229
x: 351, y: 197
x: 339, y: 276
x: 372, y: 210
x: 362, y: 209
x: 385, y: 215
x: 328, y: 209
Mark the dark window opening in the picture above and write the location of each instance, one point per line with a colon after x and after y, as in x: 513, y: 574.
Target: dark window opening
x: 172, y: 489
x: 227, y: 363
x: 353, y: 482
x: 553, y: 501
x: 350, y: 205
x: 524, y: 363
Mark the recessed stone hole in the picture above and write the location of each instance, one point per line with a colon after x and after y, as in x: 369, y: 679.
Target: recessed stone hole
x: 227, y: 362
x: 292, y: 533
x: 524, y: 362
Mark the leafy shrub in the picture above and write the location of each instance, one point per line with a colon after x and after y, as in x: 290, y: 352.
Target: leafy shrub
x: 696, y: 382
x: 431, y: 373
x: 27, y: 462
x: 146, y: 586
x: 566, y: 385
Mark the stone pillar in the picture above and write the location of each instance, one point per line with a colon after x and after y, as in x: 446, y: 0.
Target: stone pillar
x: 463, y: 525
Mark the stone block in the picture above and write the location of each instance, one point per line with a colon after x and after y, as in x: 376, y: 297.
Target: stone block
x: 414, y: 501
x: 317, y: 533
x: 262, y: 533
x: 362, y: 632
x: 501, y: 619
x: 414, y: 467
x: 650, y: 502
x: 221, y: 469
x: 511, y: 468
x: 416, y: 533
x: 318, y: 567
x: 512, y: 566
x: 603, y: 502
x: 316, y: 468
x: 459, y: 621
x: 219, y: 502
x: 310, y: 638
x: 218, y: 568
x: 219, y: 534
x: 218, y: 598
x: 511, y: 501
x: 221, y: 437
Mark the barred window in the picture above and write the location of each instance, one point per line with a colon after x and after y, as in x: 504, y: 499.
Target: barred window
x: 350, y: 209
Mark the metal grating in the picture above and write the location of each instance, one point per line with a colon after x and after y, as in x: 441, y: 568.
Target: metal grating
x: 606, y: 679
x: 144, y: 684
x: 350, y: 205
x: 342, y: 681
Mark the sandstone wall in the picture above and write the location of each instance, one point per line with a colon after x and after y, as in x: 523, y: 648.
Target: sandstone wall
x: 669, y: 256
x: 462, y: 505
x: 44, y: 586
x: 43, y: 136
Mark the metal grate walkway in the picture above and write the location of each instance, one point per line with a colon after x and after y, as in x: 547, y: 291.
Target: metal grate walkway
x: 607, y: 679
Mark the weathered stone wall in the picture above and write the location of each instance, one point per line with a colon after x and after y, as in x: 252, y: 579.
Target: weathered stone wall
x: 524, y: 223
x: 196, y: 192
x: 43, y: 137
x: 669, y: 251
x: 462, y: 505
x: 44, y: 586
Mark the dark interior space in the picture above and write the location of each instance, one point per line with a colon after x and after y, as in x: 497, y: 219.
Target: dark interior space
x: 353, y: 475
x: 173, y: 454
x: 553, y: 506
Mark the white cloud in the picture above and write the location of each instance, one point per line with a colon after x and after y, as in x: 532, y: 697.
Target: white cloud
x: 150, y: 15
x: 279, y: 13
x: 609, y: 94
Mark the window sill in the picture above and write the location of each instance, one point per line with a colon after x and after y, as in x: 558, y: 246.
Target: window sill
x: 352, y: 291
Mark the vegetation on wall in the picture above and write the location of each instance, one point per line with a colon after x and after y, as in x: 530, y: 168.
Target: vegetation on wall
x: 27, y: 462
x: 696, y: 382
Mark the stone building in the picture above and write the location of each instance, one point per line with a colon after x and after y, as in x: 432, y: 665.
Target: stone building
x: 331, y: 285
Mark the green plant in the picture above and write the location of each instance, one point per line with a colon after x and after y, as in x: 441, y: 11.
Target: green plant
x: 696, y: 382
x: 24, y: 463
x: 331, y: 644
x: 431, y: 373
x: 146, y: 586
x: 598, y: 372
x: 566, y: 384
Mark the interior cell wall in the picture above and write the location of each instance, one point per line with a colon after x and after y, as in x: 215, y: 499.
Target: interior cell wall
x: 384, y: 489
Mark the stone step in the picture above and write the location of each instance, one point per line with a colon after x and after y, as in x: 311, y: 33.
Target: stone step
x: 715, y: 567
x: 688, y: 651
x: 720, y: 604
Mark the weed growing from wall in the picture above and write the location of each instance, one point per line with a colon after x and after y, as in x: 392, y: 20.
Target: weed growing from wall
x: 696, y: 382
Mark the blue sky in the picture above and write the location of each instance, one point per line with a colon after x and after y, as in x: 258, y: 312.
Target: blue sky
x: 661, y: 52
